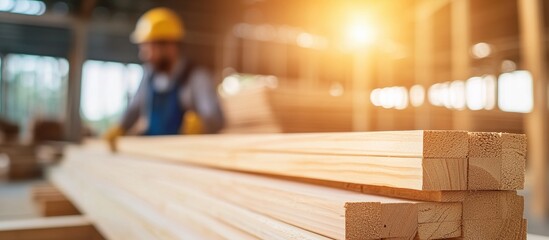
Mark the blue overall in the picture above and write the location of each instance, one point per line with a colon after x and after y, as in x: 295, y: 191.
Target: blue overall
x: 165, y: 110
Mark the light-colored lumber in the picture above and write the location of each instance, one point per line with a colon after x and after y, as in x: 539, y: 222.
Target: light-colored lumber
x: 183, y: 217
x: 330, y: 212
x: 56, y: 207
x: 497, y: 161
x: 301, y: 174
x: 111, y: 212
x: 490, y: 205
x: 287, y: 110
x: 439, y: 230
x: 51, y: 228
x: 431, y: 196
x: 51, y: 202
x: 495, y: 229
x: 173, y: 200
x: 421, y: 160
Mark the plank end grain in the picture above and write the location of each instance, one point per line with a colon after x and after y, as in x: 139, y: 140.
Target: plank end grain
x: 496, y: 161
x: 432, y: 212
x: 485, y: 155
x: 445, y: 144
x: 479, y: 205
x: 399, y: 220
x: 500, y: 229
x: 439, y: 230
x: 363, y: 221
x: 513, y: 161
x: 445, y: 174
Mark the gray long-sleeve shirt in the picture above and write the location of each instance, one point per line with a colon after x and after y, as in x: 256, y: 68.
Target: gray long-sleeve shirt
x: 197, y: 94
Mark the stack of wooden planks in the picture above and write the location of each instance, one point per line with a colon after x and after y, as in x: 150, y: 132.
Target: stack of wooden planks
x: 20, y: 161
x: 370, y: 185
x: 292, y: 110
x: 51, y: 202
x: 266, y: 110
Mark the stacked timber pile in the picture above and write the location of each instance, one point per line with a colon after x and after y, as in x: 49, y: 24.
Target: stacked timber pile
x: 19, y: 160
x: 372, y: 185
x: 50, y: 228
x: 266, y: 110
x: 51, y: 202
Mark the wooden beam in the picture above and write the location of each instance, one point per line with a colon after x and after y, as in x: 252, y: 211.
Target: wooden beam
x: 46, y: 20
x: 507, y: 229
x: 421, y: 160
x: 361, y: 87
x: 77, y: 56
x: 461, y: 58
x: 423, y: 65
x: 489, y: 205
x: 534, y: 60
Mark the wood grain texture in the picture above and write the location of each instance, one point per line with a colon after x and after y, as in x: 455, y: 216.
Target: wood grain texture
x: 439, y: 230
x: 112, y: 214
x: 431, y: 196
x: 320, y: 209
x: 495, y: 229
x: 496, y: 161
x: 421, y: 160
x: 327, y: 211
x: 479, y: 205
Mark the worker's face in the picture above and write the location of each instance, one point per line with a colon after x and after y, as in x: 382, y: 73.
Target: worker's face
x: 160, y: 54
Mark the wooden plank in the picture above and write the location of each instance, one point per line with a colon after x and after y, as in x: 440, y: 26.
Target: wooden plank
x: 51, y: 228
x: 476, y: 205
x: 51, y: 202
x: 500, y: 229
x: 439, y: 230
x: 119, y: 217
x: 330, y: 212
x: 186, y: 221
x: 496, y: 161
x: 57, y: 207
x: 178, y: 202
x: 287, y: 110
x: 490, y: 205
x: 532, y: 37
x: 419, y: 195
x: 421, y: 160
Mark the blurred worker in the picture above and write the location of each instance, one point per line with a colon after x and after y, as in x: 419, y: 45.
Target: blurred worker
x: 175, y: 96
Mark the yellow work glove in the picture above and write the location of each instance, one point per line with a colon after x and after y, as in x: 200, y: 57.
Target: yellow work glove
x: 112, y: 135
x: 192, y: 124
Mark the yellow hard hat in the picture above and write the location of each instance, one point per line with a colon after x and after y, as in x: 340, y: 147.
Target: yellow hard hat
x: 158, y: 24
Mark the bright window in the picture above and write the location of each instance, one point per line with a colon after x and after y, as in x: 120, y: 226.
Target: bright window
x: 515, y: 92
x: 36, y: 87
x: 106, y: 90
x: 480, y: 92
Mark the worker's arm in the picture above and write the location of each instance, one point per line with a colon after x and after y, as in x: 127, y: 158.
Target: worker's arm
x: 130, y: 117
x: 204, y: 100
x: 135, y: 108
